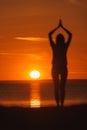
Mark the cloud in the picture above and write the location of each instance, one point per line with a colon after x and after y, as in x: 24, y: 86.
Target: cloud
x: 78, y: 72
x: 4, y: 53
x: 31, y: 38
x: 31, y: 56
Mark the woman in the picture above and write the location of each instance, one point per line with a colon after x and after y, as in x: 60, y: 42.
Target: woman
x: 59, y: 63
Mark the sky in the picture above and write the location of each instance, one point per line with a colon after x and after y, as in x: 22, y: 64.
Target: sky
x: 24, y: 43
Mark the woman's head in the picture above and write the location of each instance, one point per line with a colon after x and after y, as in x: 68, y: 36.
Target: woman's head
x: 60, y: 39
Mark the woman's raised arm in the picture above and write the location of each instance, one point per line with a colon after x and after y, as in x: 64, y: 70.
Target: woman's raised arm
x: 50, y: 35
x: 68, y: 32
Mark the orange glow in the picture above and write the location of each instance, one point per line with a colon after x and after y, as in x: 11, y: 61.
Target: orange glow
x: 24, y: 43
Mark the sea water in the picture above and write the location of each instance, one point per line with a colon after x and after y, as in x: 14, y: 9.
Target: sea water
x: 39, y: 93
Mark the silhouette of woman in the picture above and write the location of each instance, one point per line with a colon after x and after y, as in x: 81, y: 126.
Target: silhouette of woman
x: 59, y: 63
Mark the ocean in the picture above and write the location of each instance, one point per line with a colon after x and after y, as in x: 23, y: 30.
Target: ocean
x: 40, y: 93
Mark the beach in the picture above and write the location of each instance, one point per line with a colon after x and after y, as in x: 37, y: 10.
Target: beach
x: 72, y: 117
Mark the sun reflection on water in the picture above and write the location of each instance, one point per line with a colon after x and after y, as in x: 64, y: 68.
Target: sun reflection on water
x: 35, y: 95
x: 35, y: 103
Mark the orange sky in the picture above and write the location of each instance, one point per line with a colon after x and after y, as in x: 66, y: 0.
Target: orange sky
x: 24, y: 44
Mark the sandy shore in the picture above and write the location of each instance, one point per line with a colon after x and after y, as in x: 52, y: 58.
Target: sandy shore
x: 48, y: 118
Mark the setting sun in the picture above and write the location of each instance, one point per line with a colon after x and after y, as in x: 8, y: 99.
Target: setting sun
x: 35, y: 74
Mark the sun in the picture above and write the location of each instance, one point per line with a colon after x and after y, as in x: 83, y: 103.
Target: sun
x: 35, y: 74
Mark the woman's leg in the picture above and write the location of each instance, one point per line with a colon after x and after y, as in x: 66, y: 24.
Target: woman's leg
x: 62, y: 85
x: 56, y: 85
